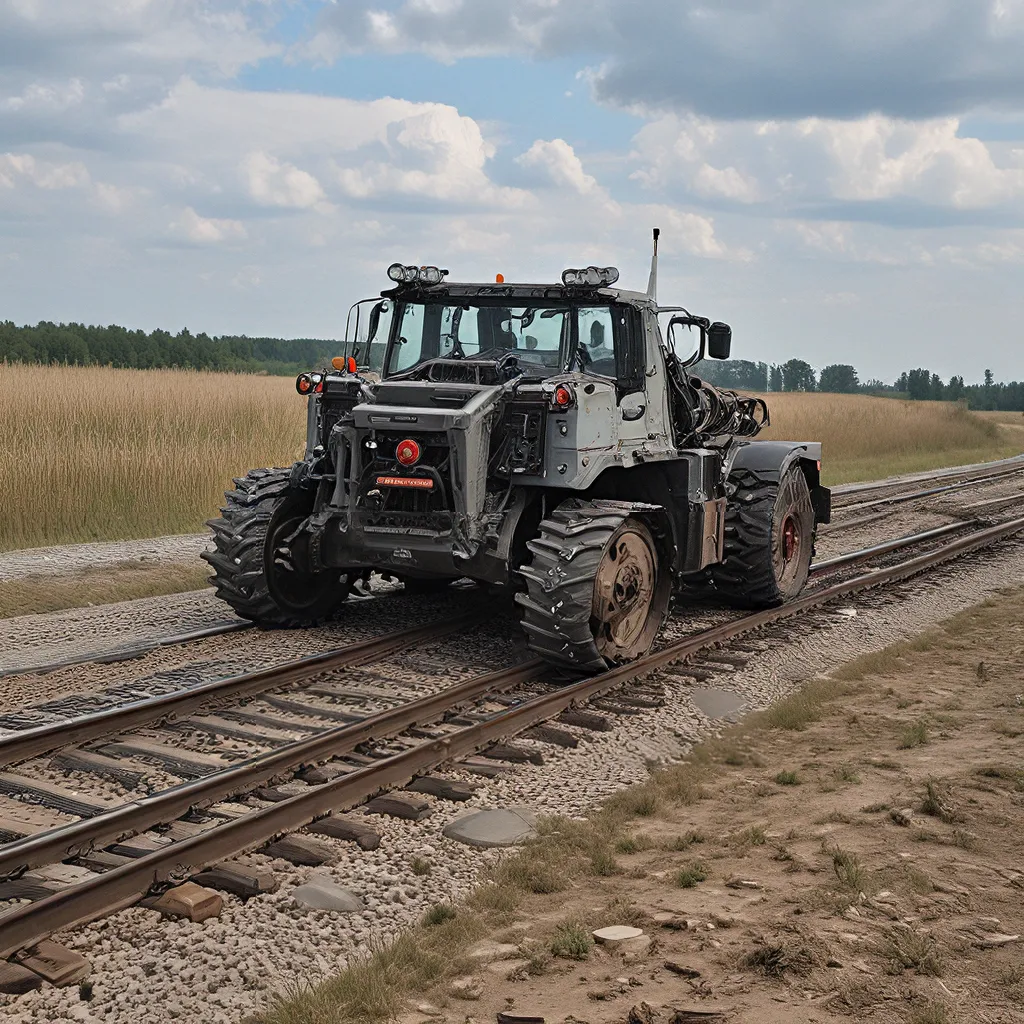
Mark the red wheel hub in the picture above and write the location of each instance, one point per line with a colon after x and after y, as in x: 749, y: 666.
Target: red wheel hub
x: 790, y: 539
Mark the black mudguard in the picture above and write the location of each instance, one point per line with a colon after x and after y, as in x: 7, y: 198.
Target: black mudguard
x: 775, y: 457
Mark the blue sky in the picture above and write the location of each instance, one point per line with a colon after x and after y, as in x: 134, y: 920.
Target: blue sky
x: 844, y: 183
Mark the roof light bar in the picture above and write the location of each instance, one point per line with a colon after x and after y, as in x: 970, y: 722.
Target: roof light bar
x: 590, y: 277
x: 401, y: 274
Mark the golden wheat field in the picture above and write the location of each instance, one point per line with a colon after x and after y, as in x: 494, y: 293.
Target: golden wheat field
x: 90, y: 453
x: 868, y: 438
x: 101, y: 454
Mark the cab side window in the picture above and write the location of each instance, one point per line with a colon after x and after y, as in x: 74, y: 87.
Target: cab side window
x: 611, y: 338
x: 597, y: 339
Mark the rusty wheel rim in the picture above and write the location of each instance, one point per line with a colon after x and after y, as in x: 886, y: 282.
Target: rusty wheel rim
x: 788, y: 540
x: 624, y: 589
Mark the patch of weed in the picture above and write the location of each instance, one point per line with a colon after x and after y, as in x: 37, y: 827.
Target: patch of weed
x: 603, y: 863
x: 691, y: 875
x: 420, y: 867
x: 936, y: 804
x: 915, y: 735
x: 788, y: 779
x: 571, y: 941
x: 933, y: 1012
x: 912, y: 951
x: 848, y: 869
x: 438, y: 914
x: 636, y: 843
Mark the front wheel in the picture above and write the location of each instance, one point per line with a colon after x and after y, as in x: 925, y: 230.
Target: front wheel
x: 598, y: 586
x: 259, y: 556
x: 769, y: 540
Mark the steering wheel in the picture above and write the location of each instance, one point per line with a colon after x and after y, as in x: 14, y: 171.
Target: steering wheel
x: 507, y: 366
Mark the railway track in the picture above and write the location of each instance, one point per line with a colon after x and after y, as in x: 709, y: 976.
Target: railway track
x: 848, y: 494
x: 340, y: 763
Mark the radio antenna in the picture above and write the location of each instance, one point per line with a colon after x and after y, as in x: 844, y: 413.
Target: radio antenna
x: 652, y: 282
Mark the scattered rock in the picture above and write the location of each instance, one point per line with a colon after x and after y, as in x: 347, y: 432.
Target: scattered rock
x: 428, y: 1010
x: 642, y: 1014
x: 683, y: 972
x: 742, y: 883
x: 510, y: 970
x: 322, y: 893
x: 615, y: 935
x: 493, y: 828
x: 666, y: 919
x: 633, y: 949
x: 903, y: 817
x: 487, y: 951
x: 994, y: 940
x: 190, y: 901
x: 466, y: 988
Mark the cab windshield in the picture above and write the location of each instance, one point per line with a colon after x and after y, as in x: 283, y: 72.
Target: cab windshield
x: 545, y: 339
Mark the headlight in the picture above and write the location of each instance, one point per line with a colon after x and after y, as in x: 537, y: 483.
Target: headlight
x: 590, y: 277
x: 401, y: 274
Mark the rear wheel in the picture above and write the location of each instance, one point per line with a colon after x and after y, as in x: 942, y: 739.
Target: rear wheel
x: 769, y: 540
x: 259, y: 555
x: 598, y: 586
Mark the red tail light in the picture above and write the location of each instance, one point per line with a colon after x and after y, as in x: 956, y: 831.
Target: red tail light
x: 563, y: 397
x: 304, y: 384
x: 408, y: 452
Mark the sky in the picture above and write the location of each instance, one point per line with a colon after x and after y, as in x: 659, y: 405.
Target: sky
x: 840, y: 182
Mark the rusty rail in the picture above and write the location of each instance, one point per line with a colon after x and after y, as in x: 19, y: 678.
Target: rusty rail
x: 44, y: 739
x: 117, y: 888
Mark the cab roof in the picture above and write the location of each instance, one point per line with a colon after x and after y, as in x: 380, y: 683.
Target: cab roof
x: 527, y: 293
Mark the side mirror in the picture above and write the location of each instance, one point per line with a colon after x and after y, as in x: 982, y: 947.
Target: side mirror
x: 371, y: 331
x: 719, y: 340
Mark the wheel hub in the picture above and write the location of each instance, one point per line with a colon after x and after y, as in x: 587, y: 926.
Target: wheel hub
x: 790, y: 539
x: 624, y: 590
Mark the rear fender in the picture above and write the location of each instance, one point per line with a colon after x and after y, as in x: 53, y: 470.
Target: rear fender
x: 773, y: 458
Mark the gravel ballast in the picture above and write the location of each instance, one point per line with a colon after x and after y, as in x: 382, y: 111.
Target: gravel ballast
x: 147, y: 969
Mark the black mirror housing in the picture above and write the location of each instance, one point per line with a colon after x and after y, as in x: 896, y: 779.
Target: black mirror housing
x: 719, y: 340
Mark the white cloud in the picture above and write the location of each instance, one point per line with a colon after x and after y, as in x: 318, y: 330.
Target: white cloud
x: 42, y: 174
x: 207, y: 230
x: 273, y: 183
x: 558, y: 159
x: 865, y: 160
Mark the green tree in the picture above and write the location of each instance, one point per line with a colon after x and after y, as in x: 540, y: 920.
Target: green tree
x: 797, y: 376
x: 839, y: 378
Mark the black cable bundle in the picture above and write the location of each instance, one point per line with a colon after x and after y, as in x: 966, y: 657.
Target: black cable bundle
x: 703, y: 412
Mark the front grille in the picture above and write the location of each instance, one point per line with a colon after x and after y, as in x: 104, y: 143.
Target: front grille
x: 408, y: 508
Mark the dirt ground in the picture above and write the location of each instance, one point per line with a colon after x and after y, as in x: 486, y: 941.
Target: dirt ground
x: 857, y: 854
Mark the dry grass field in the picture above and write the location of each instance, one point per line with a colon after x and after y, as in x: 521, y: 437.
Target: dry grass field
x: 101, y: 454
x: 89, y: 453
x: 871, y: 438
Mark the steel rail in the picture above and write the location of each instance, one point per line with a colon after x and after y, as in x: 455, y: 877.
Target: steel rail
x: 76, y: 838
x: 84, y: 902
x: 852, y: 557
x: 113, y: 655
x: 910, y: 479
x: 44, y: 739
x: 900, y: 499
x: 67, y: 841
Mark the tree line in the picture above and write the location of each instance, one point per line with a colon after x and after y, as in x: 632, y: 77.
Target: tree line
x: 842, y: 378
x: 82, y: 345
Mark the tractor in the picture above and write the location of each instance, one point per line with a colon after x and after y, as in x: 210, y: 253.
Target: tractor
x: 546, y: 439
